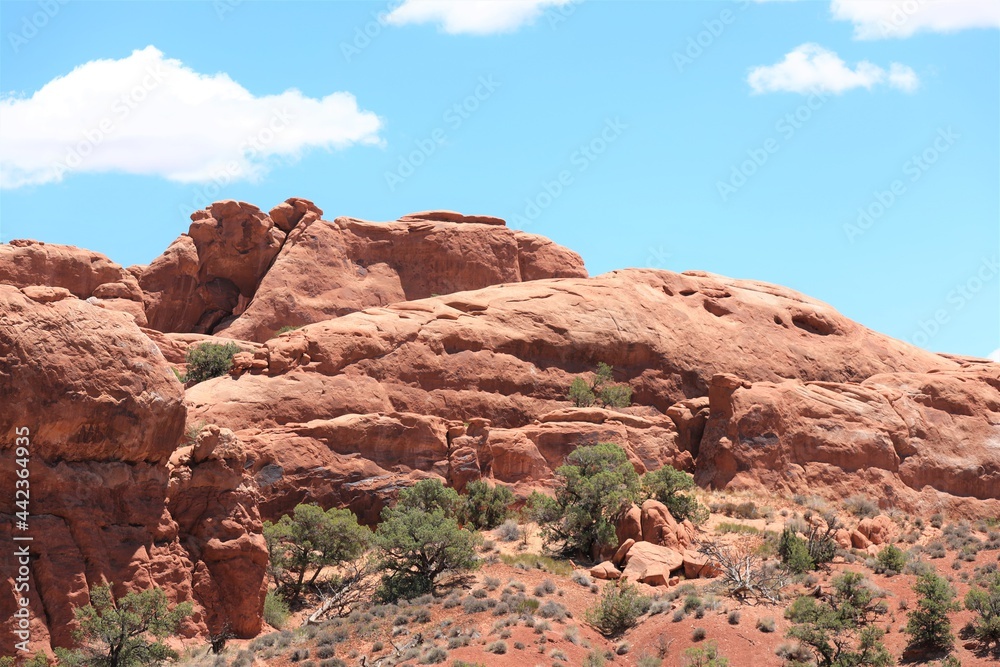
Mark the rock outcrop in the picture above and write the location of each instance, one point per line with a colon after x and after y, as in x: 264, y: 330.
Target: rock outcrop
x: 105, y: 413
x: 85, y: 274
x: 245, y: 274
x: 503, y: 356
x: 924, y: 441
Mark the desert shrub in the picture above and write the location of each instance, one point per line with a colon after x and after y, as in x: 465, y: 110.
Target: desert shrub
x: 527, y: 561
x: 485, y: 506
x: 420, y: 540
x: 433, y: 655
x: 209, y: 360
x: 595, y: 485
x: 734, y: 617
x: 601, y: 388
x: 471, y: 605
x: 984, y: 601
x: 765, y: 624
x: 861, y: 506
x: 623, y: 648
x: 509, y: 531
x: 726, y: 527
x: 744, y: 574
x: 618, y: 609
x: 498, y: 647
x: 582, y: 579
x: 125, y: 631
x: 310, y: 538
x: 840, y: 630
x: 704, y: 656
x: 794, y: 552
x: 668, y: 485
x: 890, y: 560
x: 928, y: 624
x: 698, y: 634
x: 553, y: 610
x: 275, y: 610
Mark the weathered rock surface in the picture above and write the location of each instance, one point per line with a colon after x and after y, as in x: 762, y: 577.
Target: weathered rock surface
x: 903, y: 437
x: 651, y: 563
x: 506, y: 354
x: 605, y: 570
x: 247, y: 274
x: 105, y: 413
x: 85, y: 274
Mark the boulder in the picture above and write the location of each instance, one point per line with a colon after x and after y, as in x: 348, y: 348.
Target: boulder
x: 629, y: 526
x: 879, y: 530
x: 658, y: 526
x: 651, y: 563
x: 697, y: 564
x: 859, y: 541
x: 621, y: 554
x: 605, y: 570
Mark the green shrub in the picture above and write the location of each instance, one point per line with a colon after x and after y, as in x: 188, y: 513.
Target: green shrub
x: 275, y: 610
x: 311, y: 538
x: 485, y: 507
x: 420, y: 540
x: 601, y: 388
x: 619, y: 608
x: 724, y: 527
x: 794, y: 552
x: 984, y: 601
x: 890, y: 560
x: 704, y: 656
x: 125, y: 631
x: 928, y: 624
x: 667, y: 485
x: 840, y: 630
x: 209, y: 360
x: 595, y: 485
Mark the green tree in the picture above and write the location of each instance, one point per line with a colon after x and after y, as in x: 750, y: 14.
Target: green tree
x: 209, y: 360
x: 596, y: 485
x: 619, y: 608
x: 485, y: 506
x: 667, y: 484
x: 928, y: 624
x: 890, y: 560
x: 794, y: 552
x: 602, y: 387
x: 125, y: 631
x: 312, y: 539
x: 841, y: 631
x: 420, y: 540
x: 428, y: 495
x: 581, y: 394
x: 984, y: 601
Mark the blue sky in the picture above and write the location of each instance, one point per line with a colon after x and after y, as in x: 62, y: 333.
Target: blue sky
x: 849, y: 154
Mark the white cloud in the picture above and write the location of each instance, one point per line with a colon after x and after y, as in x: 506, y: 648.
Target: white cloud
x: 882, y: 19
x: 995, y: 355
x: 811, y: 68
x: 146, y: 114
x: 475, y: 17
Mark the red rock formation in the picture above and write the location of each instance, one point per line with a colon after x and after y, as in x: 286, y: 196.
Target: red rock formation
x: 105, y: 413
x: 85, y: 274
x: 246, y: 274
x: 902, y: 437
